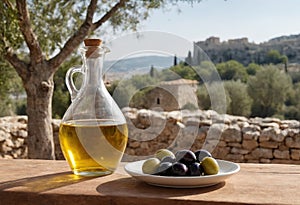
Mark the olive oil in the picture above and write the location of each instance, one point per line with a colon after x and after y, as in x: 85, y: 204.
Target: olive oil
x: 93, y: 148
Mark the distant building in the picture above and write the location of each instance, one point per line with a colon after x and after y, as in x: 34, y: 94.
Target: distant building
x: 238, y: 41
x: 173, y: 95
x: 212, y: 39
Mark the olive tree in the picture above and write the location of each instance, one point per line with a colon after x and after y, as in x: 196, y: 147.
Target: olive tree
x: 269, y: 89
x: 240, y: 102
x: 37, y: 36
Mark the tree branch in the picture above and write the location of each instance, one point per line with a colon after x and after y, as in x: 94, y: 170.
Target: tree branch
x: 36, y: 55
x: 19, y: 65
x: 104, y: 18
x: 76, y: 39
x: 85, y: 29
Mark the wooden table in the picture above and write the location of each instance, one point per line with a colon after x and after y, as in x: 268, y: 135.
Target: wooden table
x: 50, y: 182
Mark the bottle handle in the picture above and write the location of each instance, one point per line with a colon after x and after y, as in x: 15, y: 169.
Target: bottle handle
x: 70, y: 83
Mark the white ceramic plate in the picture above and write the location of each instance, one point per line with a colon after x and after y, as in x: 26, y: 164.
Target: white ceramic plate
x: 226, y: 170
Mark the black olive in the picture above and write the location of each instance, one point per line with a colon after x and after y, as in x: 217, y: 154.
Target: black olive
x: 164, y: 169
x: 185, y: 156
x: 195, y: 169
x: 179, y: 169
x: 201, y: 154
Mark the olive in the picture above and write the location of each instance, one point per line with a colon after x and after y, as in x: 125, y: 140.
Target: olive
x: 168, y: 159
x: 195, y: 169
x: 179, y: 169
x: 164, y: 169
x: 150, y: 166
x: 201, y: 154
x: 159, y: 154
x: 210, y: 166
x: 185, y: 156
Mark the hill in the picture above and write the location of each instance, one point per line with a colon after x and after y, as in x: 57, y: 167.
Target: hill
x: 246, y: 52
x: 139, y: 64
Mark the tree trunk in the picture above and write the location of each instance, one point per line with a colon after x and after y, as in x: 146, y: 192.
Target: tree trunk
x: 39, y: 89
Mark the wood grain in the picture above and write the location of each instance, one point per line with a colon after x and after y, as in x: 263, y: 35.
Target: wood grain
x: 51, y: 182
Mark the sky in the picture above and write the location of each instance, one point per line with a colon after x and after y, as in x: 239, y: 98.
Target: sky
x: 258, y: 20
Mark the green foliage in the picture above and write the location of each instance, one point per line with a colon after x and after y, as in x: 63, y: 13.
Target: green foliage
x: 10, y: 35
x: 10, y: 87
x: 232, y: 70
x: 207, y: 95
x: 184, y: 71
x: 292, y: 111
x: 153, y: 72
x: 57, y: 20
x: 138, y: 100
x: 269, y: 89
x: 252, y: 68
x: 240, y: 101
x: 189, y: 106
x: 61, y: 97
x: 168, y: 75
x: 131, y: 92
x: 274, y: 57
x: 123, y: 93
x: 203, y: 98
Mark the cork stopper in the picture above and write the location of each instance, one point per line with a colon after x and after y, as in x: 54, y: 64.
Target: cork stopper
x: 92, y: 42
x: 92, y: 47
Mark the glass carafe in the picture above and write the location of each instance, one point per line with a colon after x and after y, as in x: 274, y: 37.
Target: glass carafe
x: 93, y: 133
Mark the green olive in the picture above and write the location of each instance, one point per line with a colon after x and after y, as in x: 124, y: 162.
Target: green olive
x: 160, y: 154
x: 210, y: 166
x: 150, y: 166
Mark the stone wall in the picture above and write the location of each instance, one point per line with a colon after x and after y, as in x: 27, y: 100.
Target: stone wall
x: 234, y: 138
x: 13, y: 137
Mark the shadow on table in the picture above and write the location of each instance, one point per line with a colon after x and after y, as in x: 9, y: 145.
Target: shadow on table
x: 44, y: 182
x: 131, y: 187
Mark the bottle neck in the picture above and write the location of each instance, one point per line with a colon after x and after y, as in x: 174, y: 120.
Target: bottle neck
x: 94, y: 71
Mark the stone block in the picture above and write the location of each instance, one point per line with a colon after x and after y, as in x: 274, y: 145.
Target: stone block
x: 192, y: 122
x: 210, y: 145
x: 221, y: 152
x: 235, y: 157
x: 272, y: 125
x: 292, y: 142
x: 222, y: 144
x: 291, y: 123
x: 251, y: 135
x: 295, y: 154
x: 262, y: 153
x: 250, y: 157
x: 293, y: 132
x: 5, y: 148
x: 232, y: 134
x: 18, y: 142
x: 249, y: 144
x: 236, y: 150
x: 282, y: 154
x: 264, y: 138
x: 134, y: 144
x: 145, y: 145
x: 234, y: 144
x: 280, y: 136
x: 273, y: 134
x: 269, y: 144
x: 251, y: 128
x: 215, y: 131
x: 3, y: 135
x: 283, y: 147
